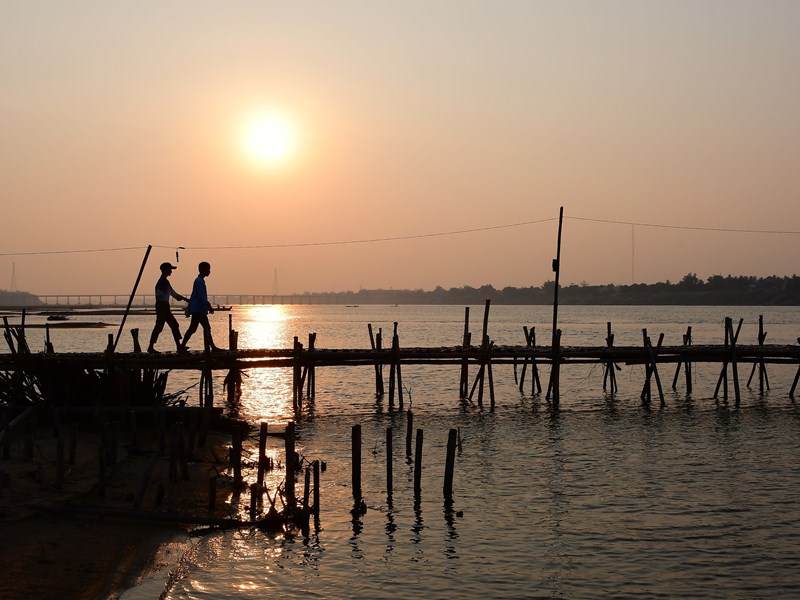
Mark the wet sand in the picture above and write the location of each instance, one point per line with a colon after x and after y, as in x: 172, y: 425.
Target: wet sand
x: 49, y: 550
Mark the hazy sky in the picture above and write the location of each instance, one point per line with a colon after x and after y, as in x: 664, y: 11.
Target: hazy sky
x: 121, y: 126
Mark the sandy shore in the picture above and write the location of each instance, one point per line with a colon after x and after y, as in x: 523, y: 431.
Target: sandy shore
x: 49, y: 550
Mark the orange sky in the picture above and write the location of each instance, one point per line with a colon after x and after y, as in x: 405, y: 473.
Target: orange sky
x: 121, y: 127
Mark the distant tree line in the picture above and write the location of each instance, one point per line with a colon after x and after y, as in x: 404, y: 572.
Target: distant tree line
x: 8, y: 298
x: 691, y: 290
x: 717, y: 290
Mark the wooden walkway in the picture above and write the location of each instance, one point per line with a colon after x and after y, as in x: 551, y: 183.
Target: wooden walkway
x: 265, y: 357
x: 304, y: 360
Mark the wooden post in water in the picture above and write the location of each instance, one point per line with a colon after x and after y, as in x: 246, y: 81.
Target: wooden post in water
x: 553, y: 392
x: 730, y: 357
x: 409, y: 429
x: 290, y: 468
x: 394, y: 371
x: 262, y: 453
x: 609, y: 372
x: 530, y: 343
x: 651, y: 369
x: 762, y: 367
x: 389, y: 464
x: 316, y: 489
x: 297, y: 386
x: 796, y: 378
x: 734, y: 361
x: 356, y: 462
x: 313, y: 384
x: 465, y: 361
x: 556, y: 341
x: 308, y: 370
x: 723, y: 376
x: 450, y: 465
x: 687, y: 365
x: 378, y: 374
x: 418, y: 466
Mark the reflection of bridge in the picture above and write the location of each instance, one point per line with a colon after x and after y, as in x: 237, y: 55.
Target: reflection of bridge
x: 149, y: 299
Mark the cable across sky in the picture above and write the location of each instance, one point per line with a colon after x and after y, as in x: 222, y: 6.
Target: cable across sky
x: 408, y: 237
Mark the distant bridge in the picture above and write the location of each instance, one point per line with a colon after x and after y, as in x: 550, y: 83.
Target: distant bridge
x: 77, y: 300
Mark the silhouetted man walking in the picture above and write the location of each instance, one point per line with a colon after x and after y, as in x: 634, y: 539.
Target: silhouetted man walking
x: 199, y: 308
x: 163, y: 311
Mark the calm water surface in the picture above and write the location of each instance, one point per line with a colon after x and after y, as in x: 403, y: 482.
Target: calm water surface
x: 603, y: 498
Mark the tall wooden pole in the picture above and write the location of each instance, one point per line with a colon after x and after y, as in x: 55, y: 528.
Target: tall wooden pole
x: 555, y: 374
x: 133, y: 294
x: 557, y: 270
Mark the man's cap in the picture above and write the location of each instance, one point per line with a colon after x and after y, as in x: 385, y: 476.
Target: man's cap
x: 166, y: 265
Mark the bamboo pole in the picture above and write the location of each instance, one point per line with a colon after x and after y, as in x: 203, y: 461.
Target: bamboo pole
x: 290, y: 467
x: 418, y: 466
x: 450, y: 465
x: 389, y: 460
x: 409, y: 429
x: 133, y: 295
x: 356, y: 462
x: 465, y: 361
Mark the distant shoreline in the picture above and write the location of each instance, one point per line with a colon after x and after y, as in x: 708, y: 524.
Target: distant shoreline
x: 689, y: 291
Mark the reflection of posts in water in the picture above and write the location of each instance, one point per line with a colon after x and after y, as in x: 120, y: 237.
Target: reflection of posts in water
x: 452, y: 534
x: 391, y: 527
x: 418, y: 522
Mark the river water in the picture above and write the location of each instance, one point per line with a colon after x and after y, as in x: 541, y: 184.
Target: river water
x: 602, y: 498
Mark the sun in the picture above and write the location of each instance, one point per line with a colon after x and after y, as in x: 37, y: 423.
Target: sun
x: 269, y: 138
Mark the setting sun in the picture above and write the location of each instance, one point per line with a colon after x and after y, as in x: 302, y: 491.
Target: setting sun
x: 269, y: 138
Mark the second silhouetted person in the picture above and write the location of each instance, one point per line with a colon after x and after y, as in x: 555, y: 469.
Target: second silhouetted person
x: 199, y: 309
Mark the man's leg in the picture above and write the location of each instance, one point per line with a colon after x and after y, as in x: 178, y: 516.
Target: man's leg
x: 192, y: 328
x: 208, y: 341
x: 156, y: 332
x: 176, y: 329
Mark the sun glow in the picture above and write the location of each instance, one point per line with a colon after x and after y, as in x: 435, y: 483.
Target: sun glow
x: 269, y: 138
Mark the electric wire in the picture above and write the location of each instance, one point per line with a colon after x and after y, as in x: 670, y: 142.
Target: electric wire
x: 409, y: 237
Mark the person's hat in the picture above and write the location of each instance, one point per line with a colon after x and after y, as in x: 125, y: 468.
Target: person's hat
x: 166, y: 265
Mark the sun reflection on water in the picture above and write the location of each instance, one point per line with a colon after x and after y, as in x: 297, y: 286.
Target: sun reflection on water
x: 266, y: 393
